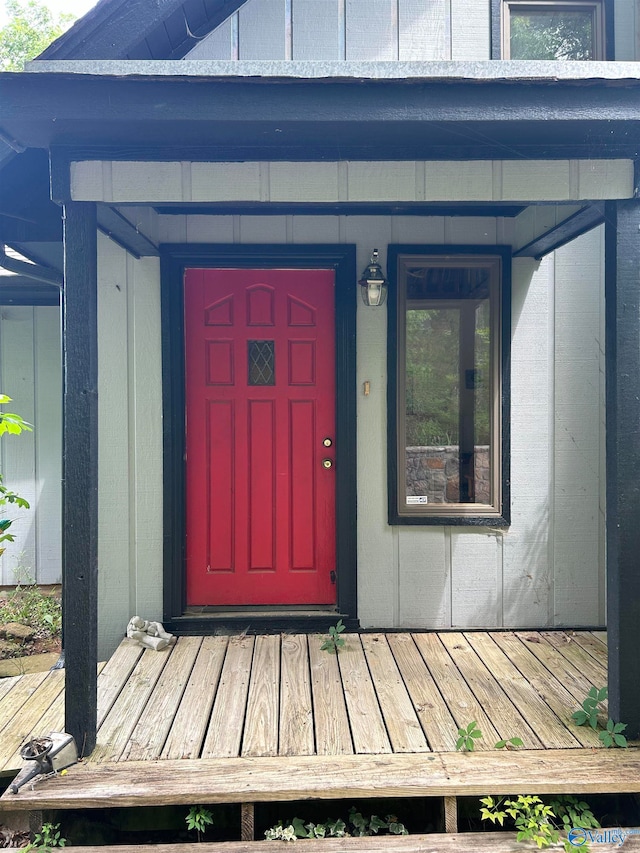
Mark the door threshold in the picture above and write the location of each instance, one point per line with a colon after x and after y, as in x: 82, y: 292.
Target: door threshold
x: 252, y: 620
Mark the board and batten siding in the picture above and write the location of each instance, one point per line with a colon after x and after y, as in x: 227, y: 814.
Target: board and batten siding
x: 31, y: 463
x: 405, y: 30
x: 130, y: 442
x: 546, y: 569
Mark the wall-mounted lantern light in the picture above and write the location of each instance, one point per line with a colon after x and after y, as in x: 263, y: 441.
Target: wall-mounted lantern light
x: 373, y: 283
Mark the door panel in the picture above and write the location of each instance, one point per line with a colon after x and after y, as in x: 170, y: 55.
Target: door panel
x: 260, y: 400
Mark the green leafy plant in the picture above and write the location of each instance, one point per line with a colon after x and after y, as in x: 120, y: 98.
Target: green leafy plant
x: 357, y: 825
x: 612, y: 735
x: 14, y: 425
x: 468, y: 736
x: 538, y: 821
x: 29, y: 605
x: 509, y: 742
x: 198, y: 818
x: 588, y: 713
x: 48, y: 838
x: 334, y: 641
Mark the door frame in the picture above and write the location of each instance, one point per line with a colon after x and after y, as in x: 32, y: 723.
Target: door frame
x: 175, y: 258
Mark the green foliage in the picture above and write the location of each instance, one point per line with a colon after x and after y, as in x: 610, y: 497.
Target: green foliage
x: 356, y: 826
x: 468, y: 736
x: 509, y: 742
x: 28, y: 605
x: 589, y: 710
x: 48, y: 838
x: 612, y: 735
x: 14, y: 425
x: 199, y: 818
x: 334, y: 641
x: 31, y: 28
x: 538, y: 821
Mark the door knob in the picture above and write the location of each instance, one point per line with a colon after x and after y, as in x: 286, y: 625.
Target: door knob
x: 327, y: 463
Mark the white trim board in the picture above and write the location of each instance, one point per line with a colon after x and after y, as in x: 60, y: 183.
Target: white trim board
x: 132, y: 182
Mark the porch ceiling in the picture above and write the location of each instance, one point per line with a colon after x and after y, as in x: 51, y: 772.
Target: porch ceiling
x: 235, y: 118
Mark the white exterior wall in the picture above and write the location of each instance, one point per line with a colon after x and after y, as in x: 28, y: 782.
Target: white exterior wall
x: 547, y: 568
x: 31, y: 463
x: 130, y: 442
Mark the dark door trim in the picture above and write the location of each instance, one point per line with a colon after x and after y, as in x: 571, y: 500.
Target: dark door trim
x: 174, y: 259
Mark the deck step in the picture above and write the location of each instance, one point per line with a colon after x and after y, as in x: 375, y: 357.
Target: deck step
x: 277, y: 779
x: 464, y: 842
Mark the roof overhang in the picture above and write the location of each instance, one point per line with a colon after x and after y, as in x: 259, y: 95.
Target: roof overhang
x: 236, y: 111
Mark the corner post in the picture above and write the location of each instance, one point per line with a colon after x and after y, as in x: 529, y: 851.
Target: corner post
x: 622, y: 293
x: 80, y: 473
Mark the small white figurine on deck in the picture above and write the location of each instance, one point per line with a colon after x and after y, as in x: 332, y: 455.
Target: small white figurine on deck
x: 149, y: 634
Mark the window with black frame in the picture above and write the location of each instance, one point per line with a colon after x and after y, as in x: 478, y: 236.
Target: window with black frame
x: 447, y: 412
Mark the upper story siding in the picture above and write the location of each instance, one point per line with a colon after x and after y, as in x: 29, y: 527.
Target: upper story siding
x: 375, y: 30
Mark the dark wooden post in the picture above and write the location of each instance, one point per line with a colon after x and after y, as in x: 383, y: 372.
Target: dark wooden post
x: 80, y: 473
x: 622, y: 289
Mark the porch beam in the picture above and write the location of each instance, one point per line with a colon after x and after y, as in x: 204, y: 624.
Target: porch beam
x: 80, y: 473
x: 622, y: 292
x: 579, y: 223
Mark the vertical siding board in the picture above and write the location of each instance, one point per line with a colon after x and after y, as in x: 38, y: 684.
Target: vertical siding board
x: 425, y: 585
x: 146, y: 434
x: 475, y: 580
x: 424, y: 30
x: 19, y: 460
x: 114, y: 579
x: 527, y: 572
x: 262, y: 30
x: 316, y: 29
x: 48, y: 438
x: 371, y: 29
x: 577, y: 493
x: 470, y: 29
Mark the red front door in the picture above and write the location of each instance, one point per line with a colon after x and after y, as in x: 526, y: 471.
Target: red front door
x: 260, y: 433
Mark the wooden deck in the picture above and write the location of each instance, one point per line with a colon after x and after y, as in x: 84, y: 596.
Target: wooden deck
x: 280, y: 695
x: 245, y: 719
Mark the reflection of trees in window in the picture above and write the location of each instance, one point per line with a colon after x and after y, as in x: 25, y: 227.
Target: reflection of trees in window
x: 546, y: 34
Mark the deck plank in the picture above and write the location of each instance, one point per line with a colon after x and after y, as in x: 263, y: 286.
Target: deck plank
x: 19, y: 694
x: 575, y: 654
x: 223, y: 738
x: 507, y: 720
x: 190, y: 723
x: 602, y: 636
x: 365, y: 718
x: 52, y: 720
x: 22, y: 724
x: 403, y: 726
x: 546, y: 685
x: 118, y: 724
x: 548, y: 729
x: 460, y: 699
x: 557, y: 664
x: 261, y: 720
x: 151, y: 731
x: 591, y: 644
x: 237, y: 780
x: 115, y: 674
x: 434, y: 715
x: 331, y: 722
x: 296, y: 707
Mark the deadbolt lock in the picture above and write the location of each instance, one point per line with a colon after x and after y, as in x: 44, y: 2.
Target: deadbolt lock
x: 327, y: 463
x: 327, y: 442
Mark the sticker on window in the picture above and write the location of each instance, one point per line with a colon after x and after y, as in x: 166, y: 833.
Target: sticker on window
x: 417, y: 499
